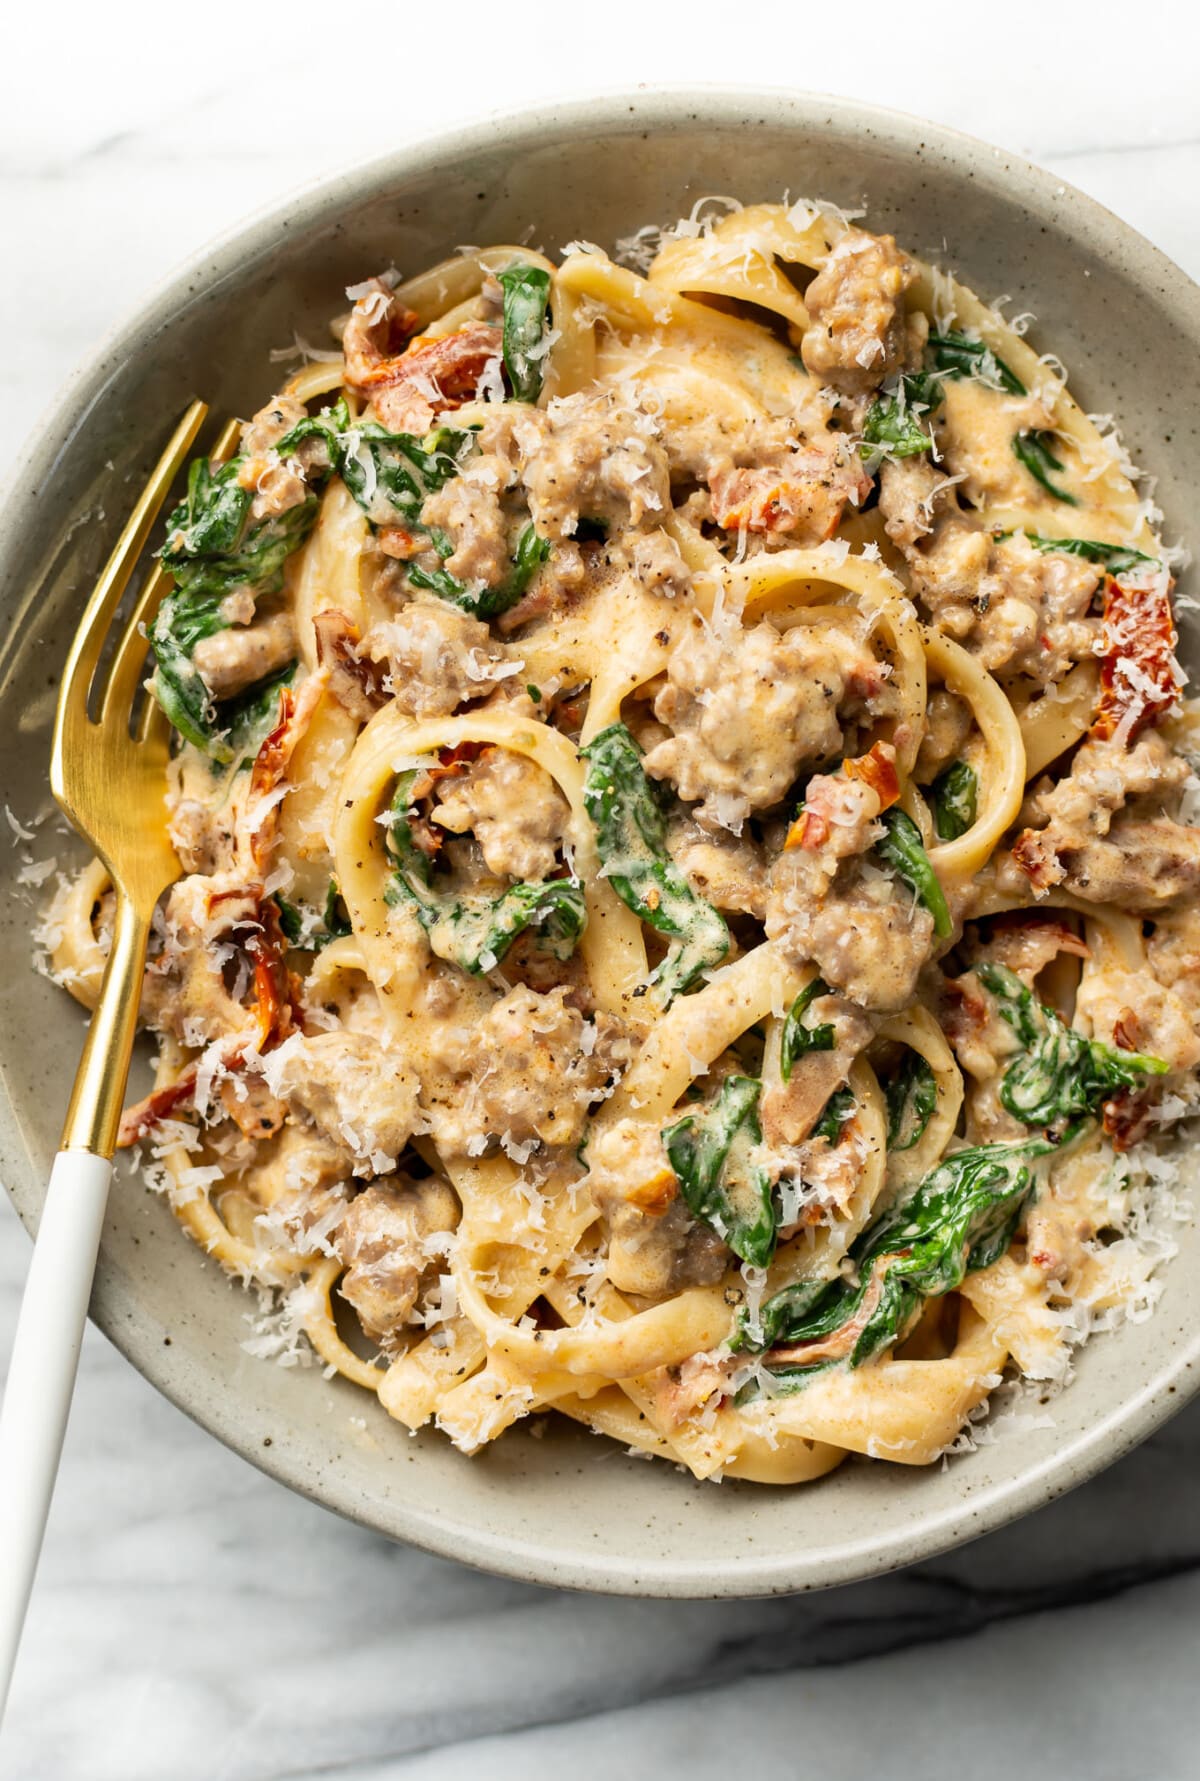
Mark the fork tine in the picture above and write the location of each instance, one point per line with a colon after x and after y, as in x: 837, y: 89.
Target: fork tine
x: 130, y: 653
x: 152, y: 723
x: 89, y: 639
x: 226, y: 440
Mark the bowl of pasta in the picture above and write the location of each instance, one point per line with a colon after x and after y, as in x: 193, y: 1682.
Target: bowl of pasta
x: 686, y: 943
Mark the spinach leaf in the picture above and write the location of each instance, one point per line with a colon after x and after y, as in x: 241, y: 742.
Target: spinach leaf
x: 388, y: 474
x: 1059, y: 1075
x: 709, y: 1151
x: 1118, y: 559
x: 526, y: 296
x: 308, y: 931
x: 212, y: 552
x: 391, y: 474
x: 797, y: 1038
x: 911, y: 1097
x: 472, y: 930
x: 444, y: 585
x: 893, y: 423
x: 291, y: 920
x: 248, y: 718
x: 836, y: 1111
x: 409, y: 860
x: 954, y: 798
x: 631, y: 835
x: 786, y: 1309
x: 531, y: 552
x: 1033, y: 450
x: 475, y: 932
x: 960, y: 1218
x: 337, y: 923
x: 179, y: 624
x: 957, y: 355
x: 902, y: 849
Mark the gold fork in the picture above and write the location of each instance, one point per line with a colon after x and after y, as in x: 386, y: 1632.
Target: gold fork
x: 108, y: 775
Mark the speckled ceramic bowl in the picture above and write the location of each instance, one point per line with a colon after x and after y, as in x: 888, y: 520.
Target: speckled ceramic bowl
x: 569, y: 1508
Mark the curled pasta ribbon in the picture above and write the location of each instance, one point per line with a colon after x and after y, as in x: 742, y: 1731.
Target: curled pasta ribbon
x: 687, y: 1039
x: 328, y: 572
x: 77, y: 953
x: 611, y: 946
x: 686, y: 358
x: 1114, y: 938
x: 917, y: 1029
x: 1001, y: 768
x: 908, y: 1411
x: 739, y: 257
x: 1057, y: 721
x: 792, y: 581
x: 232, y: 1240
x: 321, y: 1330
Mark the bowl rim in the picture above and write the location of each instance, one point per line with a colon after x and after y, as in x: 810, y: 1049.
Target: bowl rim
x: 658, y: 108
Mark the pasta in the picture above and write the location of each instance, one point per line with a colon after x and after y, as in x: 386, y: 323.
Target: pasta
x: 688, y: 908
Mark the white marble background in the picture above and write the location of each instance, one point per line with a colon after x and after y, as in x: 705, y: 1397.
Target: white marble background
x: 194, y: 1620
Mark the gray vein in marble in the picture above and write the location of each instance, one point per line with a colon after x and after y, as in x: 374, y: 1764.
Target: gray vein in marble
x: 1078, y: 1707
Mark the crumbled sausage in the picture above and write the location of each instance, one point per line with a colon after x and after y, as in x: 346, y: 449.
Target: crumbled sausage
x: 435, y: 657
x: 1107, y: 830
x: 1173, y: 952
x: 587, y: 456
x: 830, y: 904
x: 1019, y: 609
x: 725, y: 871
x: 856, y: 334
x: 514, y: 810
x: 469, y: 510
x: 388, y: 1240
x: 655, y: 1246
x: 278, y: 484
x: 526, y: 1072
x: 747, y: 711
x: 357, y: 1094
x: 265, y: 429
x: 242, y: 654
x: 800, y: 497
x: 948, y: 723
x: 657, y: 564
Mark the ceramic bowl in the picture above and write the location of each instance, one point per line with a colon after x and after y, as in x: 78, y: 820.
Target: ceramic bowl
x: 567, y: 1508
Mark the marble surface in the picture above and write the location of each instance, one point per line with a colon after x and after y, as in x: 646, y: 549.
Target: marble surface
x: 193, y: 1619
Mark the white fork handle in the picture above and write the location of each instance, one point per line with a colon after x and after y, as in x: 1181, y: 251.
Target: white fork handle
x: 41, y: 1378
